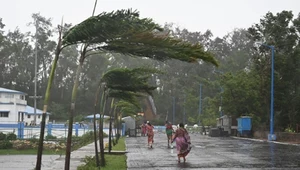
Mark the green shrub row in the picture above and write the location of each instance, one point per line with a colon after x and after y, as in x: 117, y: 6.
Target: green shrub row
x: 5, y: 144
x: 9, y: 136
x: 9, y: 141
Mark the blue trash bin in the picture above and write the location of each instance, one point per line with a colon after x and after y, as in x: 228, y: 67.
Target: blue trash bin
x: 244, y: 126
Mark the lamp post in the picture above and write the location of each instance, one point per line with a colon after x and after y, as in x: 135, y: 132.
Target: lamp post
x: 200, y: 104
x: 173, y: 110
x: 271, y: 136
x: 221, y: 98
x: 184, y: 113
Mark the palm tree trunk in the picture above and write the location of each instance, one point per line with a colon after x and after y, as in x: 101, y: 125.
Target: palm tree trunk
x: 110, y: 125
x: 119, y: 126
x: 101, y: 140
x: 115, y: 126
x: 46, y: 100
x: 95, y: 128
x: 73, y: 99
x: 72, y: 110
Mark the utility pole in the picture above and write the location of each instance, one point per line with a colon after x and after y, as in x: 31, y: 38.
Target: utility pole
x: 200, y: 104
x: 184, y: 113
x: 173, y: 110
x: 35, y: 72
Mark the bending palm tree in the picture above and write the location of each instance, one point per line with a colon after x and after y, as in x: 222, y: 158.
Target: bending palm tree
x: 124, y: 32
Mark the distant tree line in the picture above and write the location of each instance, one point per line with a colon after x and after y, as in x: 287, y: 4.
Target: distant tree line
x: 241, y: 85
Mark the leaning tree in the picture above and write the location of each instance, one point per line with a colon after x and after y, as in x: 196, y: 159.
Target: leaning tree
x: 121, y: 31
x: 120, y: 84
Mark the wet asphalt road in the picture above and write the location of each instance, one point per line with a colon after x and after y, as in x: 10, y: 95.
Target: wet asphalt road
x: 212, y: 153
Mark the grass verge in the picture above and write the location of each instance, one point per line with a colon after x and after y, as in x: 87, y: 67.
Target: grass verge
x: 29, y: 152
x: 113, y: 161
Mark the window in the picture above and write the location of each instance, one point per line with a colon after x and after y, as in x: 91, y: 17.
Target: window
x: 39, y: 116
x: 28, y: 116
x: 7, y: 95
x: 22, y: 97
x: 4, y: 114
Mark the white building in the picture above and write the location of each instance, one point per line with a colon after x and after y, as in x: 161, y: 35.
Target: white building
x: 14, y: 108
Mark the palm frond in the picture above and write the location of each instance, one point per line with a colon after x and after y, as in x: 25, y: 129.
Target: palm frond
x: 134, y: 80
x: 127, y: 96
x: 122, y: 31
x: 148, y: 44
x: 127, y: 108
x: 107, y: 26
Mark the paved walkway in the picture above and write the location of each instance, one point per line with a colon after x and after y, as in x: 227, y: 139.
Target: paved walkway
x: 49, y: 162
x: 207, y: 153
x: 212, y: 153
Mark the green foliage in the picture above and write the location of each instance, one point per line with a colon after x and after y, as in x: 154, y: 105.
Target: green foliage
x: 290, y: 130
x: 122, y: 31
x: 28, y: 152
x: 33, y: 140
x: 108, y: 26
x: 134, y: 80
x: 11, y: 136
x: 2, y: 136
x: 4, y: 144
x: 79, y: 118
x: 120, y: 146
x: 256, y: 122
x: 127, y: 108
x: 50, y: 137
x: 83, y: 140
x: 112, y: 161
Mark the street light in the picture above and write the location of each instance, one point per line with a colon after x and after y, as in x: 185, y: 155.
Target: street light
x: 271, y: 136
x: 200, y: 104
x: 173, y: 110
x: 221, y: 98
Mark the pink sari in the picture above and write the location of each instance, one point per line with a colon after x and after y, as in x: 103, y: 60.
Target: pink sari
x: 143, y: 127
x: 182, y: 139
x: 150, y: 133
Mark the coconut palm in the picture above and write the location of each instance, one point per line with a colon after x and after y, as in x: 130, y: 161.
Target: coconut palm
x: 123, y: 32
x: 122, y: 84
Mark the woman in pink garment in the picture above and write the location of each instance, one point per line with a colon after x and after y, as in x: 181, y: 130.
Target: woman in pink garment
x: 150, y: 134
x: 183, y: 142
x: 143, y: 128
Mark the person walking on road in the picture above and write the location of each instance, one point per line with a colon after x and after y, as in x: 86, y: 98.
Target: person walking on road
x: 150, y: 134
x: 183, y: 142
x: 143, y: 128
x: 169, y: 132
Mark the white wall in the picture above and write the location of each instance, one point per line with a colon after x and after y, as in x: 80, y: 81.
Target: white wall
x: 16, y: 105
x: 38, y: 120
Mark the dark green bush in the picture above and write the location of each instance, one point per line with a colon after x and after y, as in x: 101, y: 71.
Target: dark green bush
x: 5, y: 144
x: 49, y: 137
x: 33, y: 140
x: 85, y: 139
x: 2, y: 136
x: 11, y: 136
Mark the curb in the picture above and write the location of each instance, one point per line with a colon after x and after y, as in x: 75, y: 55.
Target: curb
x: 260, y: 140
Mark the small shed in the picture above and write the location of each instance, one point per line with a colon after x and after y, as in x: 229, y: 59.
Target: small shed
x: 129, y: 122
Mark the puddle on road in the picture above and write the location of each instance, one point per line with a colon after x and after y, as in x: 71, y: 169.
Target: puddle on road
x: 198, y: 146
x: 184, y: 165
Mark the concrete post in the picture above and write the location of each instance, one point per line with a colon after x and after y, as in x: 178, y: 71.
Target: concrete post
x: 49, y: 129
x: 76, y: 128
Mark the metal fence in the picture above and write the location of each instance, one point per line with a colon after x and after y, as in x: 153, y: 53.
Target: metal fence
x: 27, y: 132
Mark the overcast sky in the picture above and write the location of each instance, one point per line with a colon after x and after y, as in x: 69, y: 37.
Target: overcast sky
x: 220, y: 16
